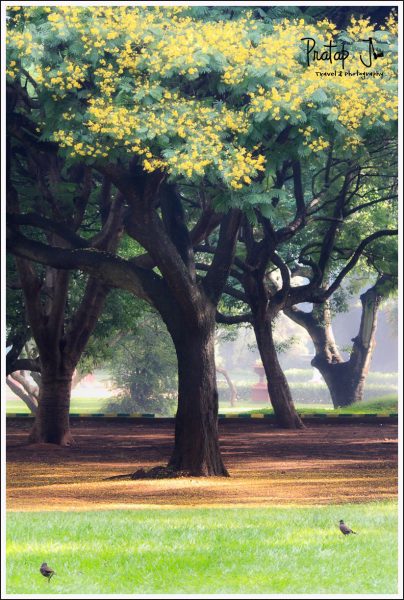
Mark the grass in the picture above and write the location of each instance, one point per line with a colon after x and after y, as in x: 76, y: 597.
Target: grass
x: 383, y: 404
x: 246, y: 551
x: 78, y: 405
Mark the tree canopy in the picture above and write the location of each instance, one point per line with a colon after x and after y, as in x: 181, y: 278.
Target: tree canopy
x: 197, y: 98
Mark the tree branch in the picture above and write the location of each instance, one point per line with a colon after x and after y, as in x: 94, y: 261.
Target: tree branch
x: 219, y: 269
x: 24, y: 364
x: 112, y: 270
x: 355, y: 257
x: 35, y: 220
x: 233, y: 319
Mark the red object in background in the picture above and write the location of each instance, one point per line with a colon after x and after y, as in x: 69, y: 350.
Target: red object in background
x: 259, y: 391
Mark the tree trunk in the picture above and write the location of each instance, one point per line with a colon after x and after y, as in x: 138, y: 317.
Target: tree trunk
x: 278, y: 387
x: 196, y: 447
x: 345, y: 379
x: 52, y: 418
x: 29, y: 399
x: 232, y: 387
x: 338, y: 378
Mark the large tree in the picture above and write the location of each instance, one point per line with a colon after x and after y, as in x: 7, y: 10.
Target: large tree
x: 346, y: 378
x: 150, y: 96
x: 321, y: 242
x: 60, y: 334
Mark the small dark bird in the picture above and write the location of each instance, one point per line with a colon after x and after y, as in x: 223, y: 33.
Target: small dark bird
x: 47, y: 571
x: 345, y: 529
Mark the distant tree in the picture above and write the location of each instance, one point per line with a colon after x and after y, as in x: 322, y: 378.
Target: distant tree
x: 346, y: 378
x: 343, y: 210
x: 144, y: 366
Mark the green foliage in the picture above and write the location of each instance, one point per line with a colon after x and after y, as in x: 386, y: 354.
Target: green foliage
x: 112, y: 84
x: 122, y: 312
x: 144, y: 366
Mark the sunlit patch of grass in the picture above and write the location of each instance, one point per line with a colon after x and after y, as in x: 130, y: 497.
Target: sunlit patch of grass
x: 242, y: 550
x: 382, y: 404
x: 77, y: 405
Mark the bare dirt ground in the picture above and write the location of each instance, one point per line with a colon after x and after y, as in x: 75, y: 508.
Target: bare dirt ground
x: 323, y: 464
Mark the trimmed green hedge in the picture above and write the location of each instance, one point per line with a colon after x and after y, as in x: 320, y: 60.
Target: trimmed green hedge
x: 308, y: 393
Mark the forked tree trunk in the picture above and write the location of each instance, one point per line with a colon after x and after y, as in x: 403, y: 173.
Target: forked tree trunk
x: 345, y: 379
x: 278, y: 387
x: 196, y: 447
x: 344, y: 388
x: 52, y: 418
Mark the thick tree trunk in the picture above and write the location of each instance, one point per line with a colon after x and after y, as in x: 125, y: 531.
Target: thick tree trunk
x: 52, y: 418
x: 278, y: 387
x: 345, y: 379
x: 196, y: 447
x: 338, y: 376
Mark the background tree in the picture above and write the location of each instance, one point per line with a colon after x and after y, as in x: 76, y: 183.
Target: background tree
x: 346, y: 378
x: 144, y: 366
x: 329, y: 223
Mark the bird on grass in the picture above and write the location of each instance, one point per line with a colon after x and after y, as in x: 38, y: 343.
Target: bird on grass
x: 47, y: 571
x: 345, y: 529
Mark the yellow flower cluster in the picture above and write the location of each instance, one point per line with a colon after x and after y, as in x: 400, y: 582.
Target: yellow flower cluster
x: 353, y: 141
x: 188, y: 48
x: 279, y: 102
x: 319, y: 144
x: 76, y: 148
x: 357, y: 101
x: 12, y: 68
x: 69, y: 76
x: 243, y: 164
x: 392, y: 23
x: 23, y: 42
x: 360, y: 29
x: 202, y: 130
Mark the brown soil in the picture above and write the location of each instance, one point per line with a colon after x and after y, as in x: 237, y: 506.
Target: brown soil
x: 325, y: 463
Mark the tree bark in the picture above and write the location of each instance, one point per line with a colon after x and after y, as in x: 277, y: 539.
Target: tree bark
x: 28, y: 398
x: 278, y: 387
x: 232, y: 387
x: 345, y: 379
x: 196, y: 447
x: 52, y: 418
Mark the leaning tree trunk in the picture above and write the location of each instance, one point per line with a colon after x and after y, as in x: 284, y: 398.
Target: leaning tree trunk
x: 196, y: 447
x: 345, y: 379
x: 232, y: 387
x: 278, y: 387
x: 52, y: 417
x: 26, y: 396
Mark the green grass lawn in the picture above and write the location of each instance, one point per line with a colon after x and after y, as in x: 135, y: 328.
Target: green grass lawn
x: 211, y: 551
x: 383, y: 404
x: 78, y: 405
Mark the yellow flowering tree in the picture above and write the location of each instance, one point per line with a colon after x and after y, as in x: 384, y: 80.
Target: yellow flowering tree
x: 155, y: 99
x: 188, y: 96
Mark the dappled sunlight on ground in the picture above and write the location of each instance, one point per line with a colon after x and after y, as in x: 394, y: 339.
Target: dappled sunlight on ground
x: 322, y: 464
